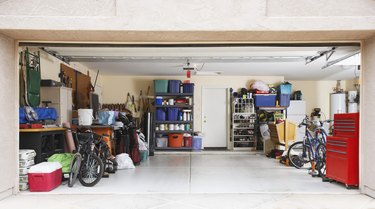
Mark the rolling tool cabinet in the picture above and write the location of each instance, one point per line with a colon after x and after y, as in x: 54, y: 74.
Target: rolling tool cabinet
x: 342, y: 157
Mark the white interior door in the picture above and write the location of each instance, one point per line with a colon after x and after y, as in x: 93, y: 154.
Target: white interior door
x: 214, y: 117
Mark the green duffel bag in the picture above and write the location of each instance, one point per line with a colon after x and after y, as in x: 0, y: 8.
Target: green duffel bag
x: 64, y: 159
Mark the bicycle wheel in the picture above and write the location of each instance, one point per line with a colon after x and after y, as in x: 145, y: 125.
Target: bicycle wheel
x: 321, y: 160
x: 299, y: 155
x: 74, y: 169
x: 91, y: 171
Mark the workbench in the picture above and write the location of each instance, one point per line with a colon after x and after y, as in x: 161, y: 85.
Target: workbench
x: 45, y: 142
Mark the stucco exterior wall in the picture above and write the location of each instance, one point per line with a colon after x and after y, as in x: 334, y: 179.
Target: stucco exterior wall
x: 9, y: 116
x: 367, y: 118
x: 180, y: 21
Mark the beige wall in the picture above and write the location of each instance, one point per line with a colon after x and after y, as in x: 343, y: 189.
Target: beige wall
x: 367, y: 119
x: 9, y: 116
x: 317, y: 93
x: 50, y: 68
x: 115, y: 88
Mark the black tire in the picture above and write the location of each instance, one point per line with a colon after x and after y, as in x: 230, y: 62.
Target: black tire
x: 74, y: 169
x: 321, y: 160
x: 91, y: 171
x: 296, y: 155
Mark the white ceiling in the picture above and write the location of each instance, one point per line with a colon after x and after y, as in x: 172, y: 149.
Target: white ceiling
x: 257, y: 61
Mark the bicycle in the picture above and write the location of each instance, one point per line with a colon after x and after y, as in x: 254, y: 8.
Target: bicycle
x: 311, y: 151
x: 86, y: 165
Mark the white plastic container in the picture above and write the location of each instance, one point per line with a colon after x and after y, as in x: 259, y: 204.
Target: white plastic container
x: 162, y: 142
x: 85, y: 117
x: 26, y: 154
x: 24, y: 179
x: 23, y: 171
x: 23, y: 186
x: 26, y: 163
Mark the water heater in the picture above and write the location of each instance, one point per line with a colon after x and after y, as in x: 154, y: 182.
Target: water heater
x: 338, y: 103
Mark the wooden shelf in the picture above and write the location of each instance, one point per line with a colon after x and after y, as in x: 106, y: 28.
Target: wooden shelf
x: 174, y: 122
x: 174, y: 94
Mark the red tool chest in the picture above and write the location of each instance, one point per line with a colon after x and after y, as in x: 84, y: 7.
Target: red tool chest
x: 342, y: 157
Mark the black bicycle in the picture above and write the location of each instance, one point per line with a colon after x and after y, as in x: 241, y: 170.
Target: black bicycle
x: 86, y: 164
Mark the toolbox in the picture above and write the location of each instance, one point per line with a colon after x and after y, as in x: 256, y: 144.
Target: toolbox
x: 342, y: 150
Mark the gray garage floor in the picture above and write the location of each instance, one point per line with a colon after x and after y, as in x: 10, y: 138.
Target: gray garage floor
x: 209, y: 172
x: 202, y: 181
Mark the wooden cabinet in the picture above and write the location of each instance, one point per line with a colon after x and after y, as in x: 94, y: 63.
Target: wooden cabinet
x: 61, y: 100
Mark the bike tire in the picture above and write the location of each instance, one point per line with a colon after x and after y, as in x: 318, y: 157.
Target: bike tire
x: 295, y: 155
x: 74, y: 169
x: 321, y: 160
x: 94, y: 165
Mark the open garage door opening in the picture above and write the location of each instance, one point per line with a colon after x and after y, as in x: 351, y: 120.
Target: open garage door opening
x: 207, y: 114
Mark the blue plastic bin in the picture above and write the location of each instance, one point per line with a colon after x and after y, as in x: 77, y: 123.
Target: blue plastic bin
x: 284, y: 100
x: 174, y: 86
x: 161, y: 86
x: 160, y: 114
x: 158, y: 100
x: 172, y: 114
x: 265, y: 100
x: 188, y: 87
x: 197, y: 143
x: 285, y: 88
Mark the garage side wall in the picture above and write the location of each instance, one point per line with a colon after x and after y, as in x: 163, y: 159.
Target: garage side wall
x: 8, y: 116
x: 368, y: 122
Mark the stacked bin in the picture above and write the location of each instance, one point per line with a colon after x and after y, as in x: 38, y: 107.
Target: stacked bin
x: 161, y: 86
x: 26, y: 160
x: 285, y: 92
x: 174, y: 86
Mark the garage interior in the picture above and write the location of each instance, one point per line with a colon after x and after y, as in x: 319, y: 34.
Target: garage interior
x: 220, y: 74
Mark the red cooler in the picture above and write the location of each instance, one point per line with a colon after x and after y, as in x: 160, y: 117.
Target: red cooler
x: 45, y: 176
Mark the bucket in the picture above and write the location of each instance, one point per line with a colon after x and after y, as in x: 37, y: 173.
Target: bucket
x: 85, y: 117
x: 187, y: 141
x: 197, y: 143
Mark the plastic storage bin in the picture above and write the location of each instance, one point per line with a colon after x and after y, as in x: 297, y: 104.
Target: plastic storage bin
x: 188, y: 87
x: 285, y: 88
x: 23, y: 186
x: 265, y: 100
x: 172, y: 114
x: 197, y: 143
x: 160, y: 114
x: 284, y: 100
x: 161, y: 86
x: 143, y: 155
x: 188, y: 141
x: 175, y: 140
x: 26, y: 163
x: 162, y: 142
x: 158, y: 100
x: 26, y: 154
x: 45, y: 176
x: 174, y: 86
